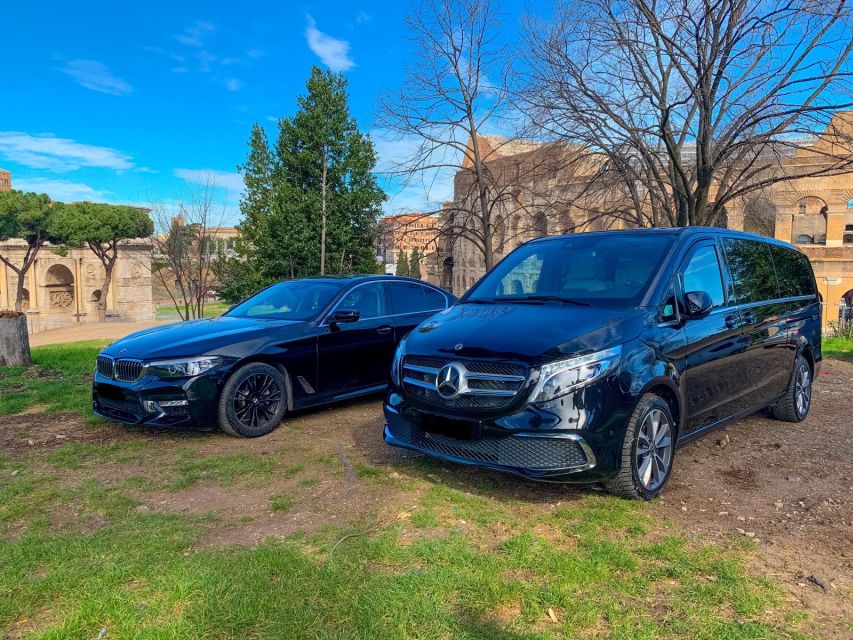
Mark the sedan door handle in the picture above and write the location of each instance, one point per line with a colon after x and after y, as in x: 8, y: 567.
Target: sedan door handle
x: 731, y: 321
x: 750, y: 318
x: 383, y: 330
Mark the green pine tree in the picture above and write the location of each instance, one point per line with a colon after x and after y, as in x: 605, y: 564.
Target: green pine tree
x: 415, y: 264
x: 312, y: 201
x: 402, y: 264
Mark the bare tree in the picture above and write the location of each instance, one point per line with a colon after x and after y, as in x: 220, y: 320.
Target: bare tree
x: 185, y: 248
x: 694, y: 106
x: 457, y: 87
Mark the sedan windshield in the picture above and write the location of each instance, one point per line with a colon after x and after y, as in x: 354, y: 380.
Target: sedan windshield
x: 292, y: 300
x: 582, y: 269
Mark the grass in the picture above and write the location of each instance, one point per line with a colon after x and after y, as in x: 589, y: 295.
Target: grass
x: 839, y: 348
x: 83, y: 548
x: 59, y: 381
x: 211, y: 310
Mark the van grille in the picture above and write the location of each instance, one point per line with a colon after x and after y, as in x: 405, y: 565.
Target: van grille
x: 489, y: 385
x: 509, y: 451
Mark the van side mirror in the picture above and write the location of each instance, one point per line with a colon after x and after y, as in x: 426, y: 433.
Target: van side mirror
x: 699, y: 304
x: 343, y: 316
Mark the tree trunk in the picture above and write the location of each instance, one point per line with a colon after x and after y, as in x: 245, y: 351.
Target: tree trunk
x: 19, y: 293
x: 323, y: 219
x: 14, y: 342
x: 105, y: 289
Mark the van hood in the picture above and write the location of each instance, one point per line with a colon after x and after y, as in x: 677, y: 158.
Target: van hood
x: 531, y: 333
x: 202, y: 337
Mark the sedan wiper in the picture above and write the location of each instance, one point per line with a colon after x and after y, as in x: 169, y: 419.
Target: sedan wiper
x: 479, y: 301
x: 547, y: 298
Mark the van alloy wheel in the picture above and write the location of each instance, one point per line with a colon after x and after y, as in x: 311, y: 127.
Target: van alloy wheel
x: 654, y: 450
x: 803, y: 389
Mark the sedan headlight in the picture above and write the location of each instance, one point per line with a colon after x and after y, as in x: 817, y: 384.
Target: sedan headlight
x: 556, y: 379
x: 397, y: 363
x: 182, y: 367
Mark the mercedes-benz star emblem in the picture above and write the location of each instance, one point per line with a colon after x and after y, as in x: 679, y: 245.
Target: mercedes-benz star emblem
x: 450, y: 380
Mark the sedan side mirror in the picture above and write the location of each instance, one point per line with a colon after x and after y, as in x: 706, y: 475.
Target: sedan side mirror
x: 342, y: 316
x: 699, y: 304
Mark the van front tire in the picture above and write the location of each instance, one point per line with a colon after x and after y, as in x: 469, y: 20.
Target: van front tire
x: 647, y: 452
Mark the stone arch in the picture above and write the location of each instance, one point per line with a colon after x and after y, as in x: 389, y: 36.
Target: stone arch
x: 810, y: 215
x: 59, y: 282
x: 845, y: 307
x: 25, y: 300
x: 96, y: 296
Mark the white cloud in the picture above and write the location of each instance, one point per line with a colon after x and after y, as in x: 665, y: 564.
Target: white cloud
x: 228, y: 180
x: 62, y: 190
x: 333, y: 52
x: 96, y: 76
x: 362, y: 17
x: 195, y: 34
x: 233, y: 84
x: 59, y: 154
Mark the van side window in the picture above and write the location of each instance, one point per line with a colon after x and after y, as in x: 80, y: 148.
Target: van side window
x: 794, y: 275
x: 702, y: 273
x: 752, y: 270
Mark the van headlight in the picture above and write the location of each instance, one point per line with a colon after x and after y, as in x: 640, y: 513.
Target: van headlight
x: 182, y: 367
x: 556, y: 379
x: 397, y: 363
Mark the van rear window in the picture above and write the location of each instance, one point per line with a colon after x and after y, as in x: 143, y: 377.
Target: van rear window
x: 752, y: 270
x: 793, y: 272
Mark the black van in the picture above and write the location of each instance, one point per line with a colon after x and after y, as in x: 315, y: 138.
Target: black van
x: 591, y: 357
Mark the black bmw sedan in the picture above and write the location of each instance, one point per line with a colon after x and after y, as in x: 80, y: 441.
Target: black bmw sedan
x: 295, y: 344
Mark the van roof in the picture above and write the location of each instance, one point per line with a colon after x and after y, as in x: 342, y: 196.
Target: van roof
x: 676, y: 231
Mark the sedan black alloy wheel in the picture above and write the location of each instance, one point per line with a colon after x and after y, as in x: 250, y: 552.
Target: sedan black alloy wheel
x: 654, y: 450
x: 257, y: 400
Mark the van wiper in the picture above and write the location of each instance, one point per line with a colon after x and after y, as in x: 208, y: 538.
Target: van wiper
x: 548, y: 298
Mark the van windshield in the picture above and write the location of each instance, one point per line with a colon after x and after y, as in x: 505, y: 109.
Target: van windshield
x: 581, y: 269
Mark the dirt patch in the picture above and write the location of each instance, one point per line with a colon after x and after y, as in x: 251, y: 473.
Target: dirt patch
x: 788, y: 486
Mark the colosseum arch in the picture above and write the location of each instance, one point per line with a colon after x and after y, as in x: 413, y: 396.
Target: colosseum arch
x: 809, y: 225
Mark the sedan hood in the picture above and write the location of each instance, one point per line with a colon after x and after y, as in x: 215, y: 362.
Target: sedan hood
x: 531, y: 333
x: 200, y: 337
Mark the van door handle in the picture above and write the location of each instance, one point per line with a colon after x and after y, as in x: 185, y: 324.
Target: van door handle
x: 383, y: 330
x: 731, y: 321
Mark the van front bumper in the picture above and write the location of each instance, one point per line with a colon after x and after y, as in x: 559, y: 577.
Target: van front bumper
x: 563, y: 455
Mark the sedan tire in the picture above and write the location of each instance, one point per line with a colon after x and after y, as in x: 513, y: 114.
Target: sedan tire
x: 253, y: 401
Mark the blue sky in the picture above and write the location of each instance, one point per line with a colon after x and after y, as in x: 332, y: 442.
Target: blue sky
x: 137, y: 102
